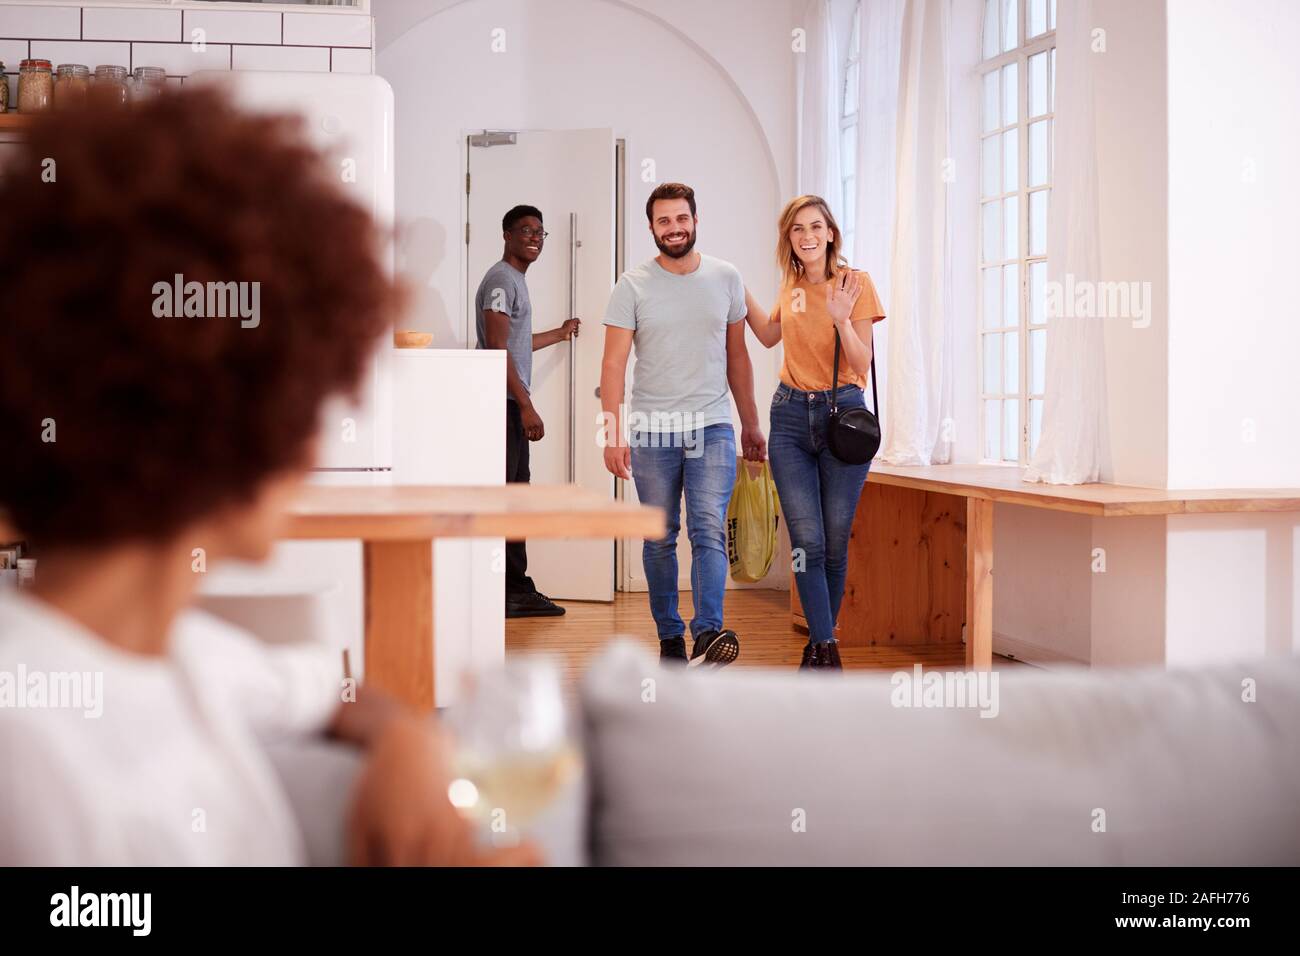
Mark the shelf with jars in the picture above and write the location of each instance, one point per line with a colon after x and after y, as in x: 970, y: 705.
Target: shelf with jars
x: 41, y: 88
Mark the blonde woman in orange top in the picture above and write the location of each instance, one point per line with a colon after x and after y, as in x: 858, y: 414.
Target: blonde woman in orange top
x: 820, y: 295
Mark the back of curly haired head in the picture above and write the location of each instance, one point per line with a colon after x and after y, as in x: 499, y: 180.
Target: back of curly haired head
x: 117, y: 425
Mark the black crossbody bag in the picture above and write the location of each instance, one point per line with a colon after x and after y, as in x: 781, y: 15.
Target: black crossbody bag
x: 854, y: 433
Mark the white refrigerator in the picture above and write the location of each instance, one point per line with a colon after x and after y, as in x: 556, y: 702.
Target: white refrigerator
x: 447, y: 428
x: 349, y: 118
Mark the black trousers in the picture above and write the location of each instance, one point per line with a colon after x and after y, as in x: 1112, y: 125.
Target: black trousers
x: 517, y: 579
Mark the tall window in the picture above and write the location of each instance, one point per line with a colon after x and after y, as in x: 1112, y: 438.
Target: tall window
x: 1018, y: 76
x: 849, y: 137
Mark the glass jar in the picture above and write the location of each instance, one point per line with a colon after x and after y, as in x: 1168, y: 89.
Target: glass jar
x: 35, y: 86
x: 4, y: 89
x: 71, y: 84
x: 150, y: 81
x: 110, y: 87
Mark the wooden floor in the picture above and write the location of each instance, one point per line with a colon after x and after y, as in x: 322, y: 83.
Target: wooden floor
x: 760, y: 618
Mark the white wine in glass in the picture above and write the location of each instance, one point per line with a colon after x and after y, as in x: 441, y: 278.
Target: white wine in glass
x: 514, y: 755
x: 522, y: 784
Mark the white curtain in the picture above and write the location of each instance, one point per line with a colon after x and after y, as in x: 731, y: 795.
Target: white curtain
x: 816, y: 87
x: 1069, y: 448
x: 882, y: 36
x: 903, y: 193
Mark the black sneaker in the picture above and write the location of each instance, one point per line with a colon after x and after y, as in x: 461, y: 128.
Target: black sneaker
x: 532, y: 604
x: 807, y: 656
x: 716, y: 648
x: 825, y: 656
x: 672, y: 651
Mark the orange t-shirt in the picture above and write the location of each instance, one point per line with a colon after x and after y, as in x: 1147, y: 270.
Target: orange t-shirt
x: 808, y: 333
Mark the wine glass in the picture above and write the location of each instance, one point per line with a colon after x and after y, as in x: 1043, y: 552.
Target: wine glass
x: 513, y: 750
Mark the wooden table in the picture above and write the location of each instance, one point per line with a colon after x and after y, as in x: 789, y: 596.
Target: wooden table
x: 397, y: 526
x: 921, y: 554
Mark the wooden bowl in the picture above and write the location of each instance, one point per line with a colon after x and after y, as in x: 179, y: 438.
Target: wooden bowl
x: 412, y: 340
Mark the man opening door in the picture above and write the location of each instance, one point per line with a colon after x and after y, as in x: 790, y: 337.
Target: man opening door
x: 505, y: 321
x: 569, y: 176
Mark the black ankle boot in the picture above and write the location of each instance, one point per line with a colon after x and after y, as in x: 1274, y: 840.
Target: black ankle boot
x: 825, y: 656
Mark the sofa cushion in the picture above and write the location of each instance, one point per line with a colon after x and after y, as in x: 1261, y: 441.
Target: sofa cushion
x: 748, y: 766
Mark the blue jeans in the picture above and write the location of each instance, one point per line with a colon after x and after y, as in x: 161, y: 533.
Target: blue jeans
x: 703, y: 464
x: 819, y: 496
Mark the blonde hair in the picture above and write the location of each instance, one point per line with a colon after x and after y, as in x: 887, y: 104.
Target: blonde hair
x: 792, y: 269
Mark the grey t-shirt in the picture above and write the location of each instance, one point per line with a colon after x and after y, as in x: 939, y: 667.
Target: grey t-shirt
x: 503, y: 290
x: 679, y: 330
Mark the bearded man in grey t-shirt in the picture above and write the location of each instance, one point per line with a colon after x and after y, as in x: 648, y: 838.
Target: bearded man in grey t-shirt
x: 683, y: 312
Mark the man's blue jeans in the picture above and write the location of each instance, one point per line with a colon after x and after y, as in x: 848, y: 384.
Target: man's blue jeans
x: 819, y: 496
x: 701, y: 463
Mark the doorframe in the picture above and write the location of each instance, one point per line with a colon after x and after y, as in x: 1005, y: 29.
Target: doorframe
x: 621, y: 565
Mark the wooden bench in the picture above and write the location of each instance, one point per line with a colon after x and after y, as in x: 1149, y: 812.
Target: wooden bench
x: 921, y: 552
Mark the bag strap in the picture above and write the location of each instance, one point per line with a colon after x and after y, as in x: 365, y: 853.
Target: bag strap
x: 835, y: 374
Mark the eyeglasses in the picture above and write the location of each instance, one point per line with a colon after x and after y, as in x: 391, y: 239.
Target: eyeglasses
x: 530, y: 233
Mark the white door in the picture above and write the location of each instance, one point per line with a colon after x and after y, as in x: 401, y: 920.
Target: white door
x: 569, y: 176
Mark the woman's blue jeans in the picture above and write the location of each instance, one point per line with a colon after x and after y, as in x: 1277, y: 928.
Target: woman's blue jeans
x: 819, y: 496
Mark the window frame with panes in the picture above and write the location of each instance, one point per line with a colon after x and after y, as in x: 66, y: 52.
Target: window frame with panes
x: 1017, y: 74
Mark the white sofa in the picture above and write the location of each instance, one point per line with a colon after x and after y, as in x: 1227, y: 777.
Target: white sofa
x: 1089, y: 767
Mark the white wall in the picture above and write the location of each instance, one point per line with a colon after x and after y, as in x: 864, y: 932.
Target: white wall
x: 1128, y: 613
x: 1234, y: 148
x: 1041, y: 584
x: 1132, y: 167
x: 1232, y: 585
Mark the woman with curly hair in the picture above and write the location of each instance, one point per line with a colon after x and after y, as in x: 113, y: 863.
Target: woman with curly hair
x: 133, y: 436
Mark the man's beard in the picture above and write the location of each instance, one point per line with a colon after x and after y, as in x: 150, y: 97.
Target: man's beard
x: 684, y: 251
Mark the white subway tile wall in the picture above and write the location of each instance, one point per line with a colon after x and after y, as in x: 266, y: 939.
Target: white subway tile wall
x: 181, y: 59
x: 118, y: 23
x: 326, y: 29
x: 340, y: 41
x: 344, y: 60
x: 90, y: 53
x: 233, y: 26
x: 306, y: 59
x: 21, y: 21
x: 13, y: 52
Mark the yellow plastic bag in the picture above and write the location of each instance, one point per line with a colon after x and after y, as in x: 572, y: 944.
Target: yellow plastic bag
x: 752, y: 518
